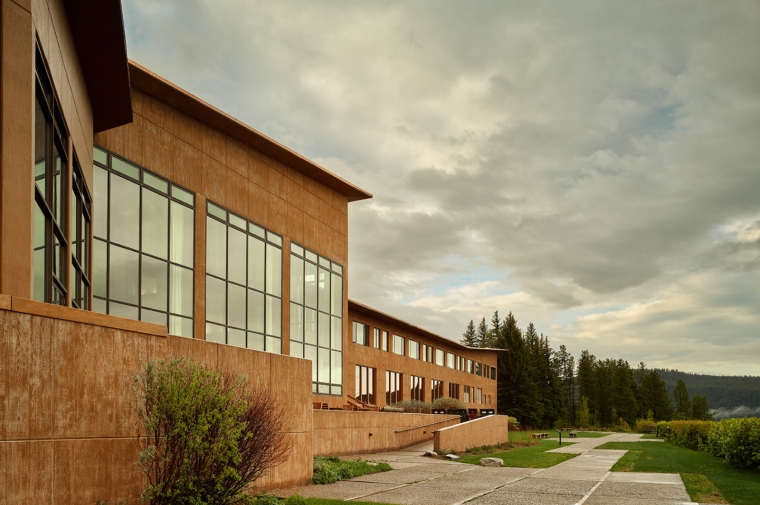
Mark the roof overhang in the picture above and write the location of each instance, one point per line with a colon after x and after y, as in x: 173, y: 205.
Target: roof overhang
x: 404, y: 325
x: 167, y: 92
x: 98, y: 30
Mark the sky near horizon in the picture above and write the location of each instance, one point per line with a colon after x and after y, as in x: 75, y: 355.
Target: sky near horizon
x: 592, y: 167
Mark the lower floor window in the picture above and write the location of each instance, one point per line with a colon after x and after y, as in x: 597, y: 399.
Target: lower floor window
x: 417, y: 388
x: 466, y: 398
x: 453, y: 390
x: 392, y: 387
x: 436, y: 390
x: 365, y: 384
x: 479, y: 396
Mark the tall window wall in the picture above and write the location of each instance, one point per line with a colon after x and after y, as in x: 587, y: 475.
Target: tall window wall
x: 143, y: 253
x: 50, y: 171
x: 243, y: 282
x: 80, y: 239
x: 316, y: 317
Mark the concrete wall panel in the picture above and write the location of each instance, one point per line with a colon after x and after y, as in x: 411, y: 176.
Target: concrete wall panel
x: 491, y: 430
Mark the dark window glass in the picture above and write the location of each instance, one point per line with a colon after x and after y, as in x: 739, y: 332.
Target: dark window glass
x: 51, y: 262
x: 417, y: 388
x: 143, y: 255
x: 453, y: 390
x: 436, y: 390
x: 392, y: 387
x: 365, y: 384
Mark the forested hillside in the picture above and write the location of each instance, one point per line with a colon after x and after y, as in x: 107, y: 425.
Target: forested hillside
x: 544, y: 387
x: 722, y: 392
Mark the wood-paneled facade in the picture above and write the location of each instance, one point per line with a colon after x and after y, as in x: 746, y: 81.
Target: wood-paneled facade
x: 65, y: 422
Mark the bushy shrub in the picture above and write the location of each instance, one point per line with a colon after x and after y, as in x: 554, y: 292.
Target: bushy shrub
x: 448, y: 403
x: 330, y: 469
x: 513, y: 424
x: 264, y: 499
x: 690, y: 434
x: 737, y: 441
x: 414, y: 406
x: 207, y: 436
x: 645, y: 426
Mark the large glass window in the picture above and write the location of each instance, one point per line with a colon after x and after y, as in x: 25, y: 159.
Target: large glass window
x: 316, y: 317
x: 436, y: 390
x: 478, y: 368
x: 143, y: 253
x: 80, y: 239
x: 392, y: 387
x: 466, y: 398
x: 51, y: 161
x: 365, y: 384
x: 384, y: 341
x: 398, y: 345
x: 376, y: 340
x: 417, y: 388
x: 450, y: 360
x: 243, y: 282
x: 439, y: 354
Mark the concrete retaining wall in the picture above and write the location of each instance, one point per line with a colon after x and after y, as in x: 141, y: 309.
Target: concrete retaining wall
x: 346, y: 432
x: 489, y: 430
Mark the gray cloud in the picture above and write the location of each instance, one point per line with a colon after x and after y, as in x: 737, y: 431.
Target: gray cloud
x: 593, y: 166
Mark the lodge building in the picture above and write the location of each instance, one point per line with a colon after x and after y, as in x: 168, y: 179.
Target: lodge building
x: 138, y: 221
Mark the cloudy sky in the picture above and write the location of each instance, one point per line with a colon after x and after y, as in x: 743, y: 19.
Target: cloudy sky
x: 592, y: 167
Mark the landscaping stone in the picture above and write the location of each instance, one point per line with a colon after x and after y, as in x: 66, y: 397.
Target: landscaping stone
x: 491, y: 462
x: 452, y: 457
x: 431, y: 454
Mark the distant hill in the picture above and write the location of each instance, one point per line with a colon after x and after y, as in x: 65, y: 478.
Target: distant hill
x: 729, y: 396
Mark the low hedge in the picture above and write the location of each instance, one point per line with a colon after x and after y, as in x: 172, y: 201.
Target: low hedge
x: 737, y: 441
x: 690, y: 434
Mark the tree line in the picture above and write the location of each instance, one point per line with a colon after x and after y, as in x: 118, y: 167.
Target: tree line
x: 542, y: 387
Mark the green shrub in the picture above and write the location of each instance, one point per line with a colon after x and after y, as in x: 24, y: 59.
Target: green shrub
x: 448, y: 403
x: 330, y: 469
x: 264, y: 499
x: 645, y: 426
x: 737, y: 441
x: 690, y: 434
x: 206, y: 435
x: 414, y: 406
x: 296, y: 499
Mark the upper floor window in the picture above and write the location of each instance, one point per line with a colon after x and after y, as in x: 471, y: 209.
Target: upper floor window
x: 398, y: 345
x: 478, y: 368
x: 316, y: 317
x: 384, y: 340
x: 243, y: 282
x: 470, y: 368
x: 144, y: 248
x: 414, y: 349
x: 51, y: 168
x: 360, y: 333
x: 439, y: 356
x: 376, y: 339
x: 450, y: 360
x: 493, y: 373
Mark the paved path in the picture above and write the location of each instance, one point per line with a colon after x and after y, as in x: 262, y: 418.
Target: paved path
x: 583, y: 480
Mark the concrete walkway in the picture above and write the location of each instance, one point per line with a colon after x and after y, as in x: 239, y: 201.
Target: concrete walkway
x: 585, y: 479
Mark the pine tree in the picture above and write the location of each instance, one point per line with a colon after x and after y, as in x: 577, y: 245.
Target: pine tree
x: 481, y: 334
x: 656, y: 397
x: 623, y: 393
x: 493, y: 333
x: 516, y: 390
x: 468, y: 337
x: 586, y: 381
x: 681, y: 400
x: 566, y: 365
x: 700, y: 410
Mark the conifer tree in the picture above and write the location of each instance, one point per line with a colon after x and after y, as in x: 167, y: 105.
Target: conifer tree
x: 493, y: 333
x: 681, y: 400
x: 566, y: 365
x: 516, y: 391
x: 481, y: 334
x: 656, y: 397
x: 468, y: 337
x: 700, y: 410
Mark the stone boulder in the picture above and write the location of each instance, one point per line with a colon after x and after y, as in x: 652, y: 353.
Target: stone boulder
x: 452, y: 457
x: 491, y: 462
x: 431, y: 454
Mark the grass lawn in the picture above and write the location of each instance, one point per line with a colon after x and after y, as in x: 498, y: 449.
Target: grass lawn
x: 708, y: 479
x: 528, y: 456
x: 580, y: 434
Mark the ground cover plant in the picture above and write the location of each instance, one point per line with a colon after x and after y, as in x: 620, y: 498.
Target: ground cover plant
x: 519, y: 454
x: 330, y: 469
x: 708, y: 479
x: 207, y: 434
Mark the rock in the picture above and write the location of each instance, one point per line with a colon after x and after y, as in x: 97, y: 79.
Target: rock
x: 452, y: 457
x: 491, y: 462
x: 431, y: 454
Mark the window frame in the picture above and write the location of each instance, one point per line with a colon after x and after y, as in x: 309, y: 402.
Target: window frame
x: 365, y: 377
x: 417, y: 388
x: 399, y: 345
x: 396, y: 395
